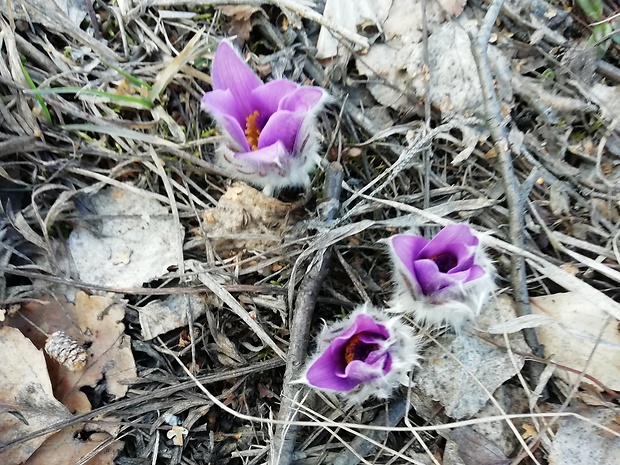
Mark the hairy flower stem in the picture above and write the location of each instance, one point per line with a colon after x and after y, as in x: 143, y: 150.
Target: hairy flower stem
x: 283, y: 444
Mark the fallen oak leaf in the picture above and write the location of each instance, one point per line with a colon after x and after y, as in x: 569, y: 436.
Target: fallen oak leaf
x: 92, y: 321
x: 73, y: 444
x: 529, y: 431
x: 241, y: 19
x: 26, y: 393
x: 247, y: 219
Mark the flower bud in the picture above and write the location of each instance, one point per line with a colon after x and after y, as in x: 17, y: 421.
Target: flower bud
x: 366, y: 354
x: 446, y: 280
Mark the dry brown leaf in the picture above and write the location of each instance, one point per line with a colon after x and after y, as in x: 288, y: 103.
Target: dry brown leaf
x: 135, y: 243
x: 529, y: 431
x: 609, y: 97
x: 92, y: 321
x: 474, y: 448
x: 452, y: 7
x: 399, y: 78
x: 571, y: 341
x: 353, y: 15
x: 227, y: 352
x: 386, y: 66
x: 25, y: 388
x: 68, y: 447
x: 446, y: 372
x: 76, y: 10
x: 246, y: 219
x: 580, y: 442
x: 158, y: 317
x: 405, y: 18
x: 240, y: 15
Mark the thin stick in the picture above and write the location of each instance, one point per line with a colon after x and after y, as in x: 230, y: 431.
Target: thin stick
x: 285, y: 436
x: 427, y: 110
x: 479, y: 48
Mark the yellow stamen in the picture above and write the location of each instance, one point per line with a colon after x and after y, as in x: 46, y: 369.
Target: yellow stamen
x: 251, y: 131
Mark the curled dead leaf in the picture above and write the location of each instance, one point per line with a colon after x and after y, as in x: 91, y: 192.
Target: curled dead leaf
x: 26, y: 389
x: 246, y: 219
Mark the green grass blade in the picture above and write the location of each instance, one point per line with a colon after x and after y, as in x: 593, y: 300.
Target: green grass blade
x: 123, y: 100
x: 132, y: 78
x: 44, y: 109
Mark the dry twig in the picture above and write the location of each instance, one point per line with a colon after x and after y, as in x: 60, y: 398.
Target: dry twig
x: 511, y: 184
x: 284, y: 441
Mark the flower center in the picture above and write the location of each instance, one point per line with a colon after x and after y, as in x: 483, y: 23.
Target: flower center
x: 251, y: 131
x: 358, y: 350
x: 445, y: 261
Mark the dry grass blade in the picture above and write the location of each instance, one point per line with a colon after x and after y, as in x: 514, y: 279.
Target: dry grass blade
x: 192, y: 50
x: 234, y: 305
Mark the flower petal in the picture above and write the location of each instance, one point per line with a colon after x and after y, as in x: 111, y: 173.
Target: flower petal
x: 431, y: 280
x: 357, y: 371
x: 370, y: 332
x: 325, y: 373
x: 221, y: 102
x: 380, y: 354
x: 463, y: 255
x: 475, y: 272
x: 271, y: 155
x: 266, y: 98
x: 231, y: 126
x: 283, y: 126
x: 407, y: 249
x: 453, y: 233
x: 303, y: 99
x: 229, y: 71
x: 330, y: 370
x: 322, y: 374
x: 366, y: 324
x: 371, y: 338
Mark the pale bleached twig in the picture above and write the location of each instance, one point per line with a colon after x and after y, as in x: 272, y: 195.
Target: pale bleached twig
x: 479, y: 48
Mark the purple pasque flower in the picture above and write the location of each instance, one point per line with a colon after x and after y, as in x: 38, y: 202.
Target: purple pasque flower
x: 269, y: 129
x: 368, y: 353
x: 443, y: 280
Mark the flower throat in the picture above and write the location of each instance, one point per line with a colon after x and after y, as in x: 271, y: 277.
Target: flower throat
x: 445, y: 261
x: 358, y: 350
